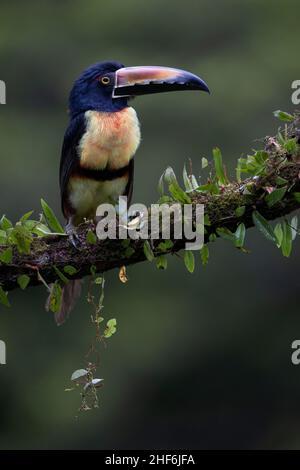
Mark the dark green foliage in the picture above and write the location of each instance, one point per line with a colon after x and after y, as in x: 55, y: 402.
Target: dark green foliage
x: 91, y: 237
x: 55, y: 297
x: 189, y: 260
x: 275, y: 196
x: 4, y: 298
x: 263, y: 226
x: 283, y: 116
x: 23, y: 281
x: 70, y: 270
x: 161, y: 262
x: 204, y: 253
x: 6, y: 256
x: 51, y: 219
x: 219, y: 168
x: 148, y: 251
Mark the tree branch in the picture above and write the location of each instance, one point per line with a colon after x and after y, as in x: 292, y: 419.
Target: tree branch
x: 221, y: 208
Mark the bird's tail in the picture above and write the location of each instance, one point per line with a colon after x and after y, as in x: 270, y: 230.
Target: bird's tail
x: 70, y: 293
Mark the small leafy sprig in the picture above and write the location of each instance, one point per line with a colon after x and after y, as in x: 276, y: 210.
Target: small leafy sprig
x: 20, y: 237
x: 85, y: 379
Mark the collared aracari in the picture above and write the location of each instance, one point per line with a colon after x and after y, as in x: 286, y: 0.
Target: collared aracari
x: 101, y: 140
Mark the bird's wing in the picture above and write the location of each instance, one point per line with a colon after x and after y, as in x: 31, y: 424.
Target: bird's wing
x: 129, y: 187
x: 69, y: 157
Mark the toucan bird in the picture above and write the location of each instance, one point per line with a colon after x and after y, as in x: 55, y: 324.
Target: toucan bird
x: 102, y: 138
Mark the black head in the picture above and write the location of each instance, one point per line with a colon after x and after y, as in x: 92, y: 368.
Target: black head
x: 107, y: 86
x: 93, y: 90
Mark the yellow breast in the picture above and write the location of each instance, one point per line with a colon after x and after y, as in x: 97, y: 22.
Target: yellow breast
x: 86, y: 195
x: 110, y: 140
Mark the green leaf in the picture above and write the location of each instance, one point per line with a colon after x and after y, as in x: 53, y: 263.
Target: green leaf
x: 37, y: 228
x: 110, y: 328
x: 240, y: 236
x: 283, y: 116
x: 23, y: 281
x: 186, y: 180
x: 253, y: 164
x: 80, y: 376
x: 55, y: 297
x: 51, y: 219
x: 239, y: 211
x: 25, y: 217
x: 4, y: 298
x: 190, y: 181
x: 70, y: 270
x: 30, y: 224
x: 207, y: 220
x: 194, y: 182
x: 286, y: 244
x: 98, y: 280
x: 297, y: 196
x: 212, y: 237
x: 238, y: 170
x: 169, y: 176
x: 261, y: 156
x: 226, y: 234
x: 129, y: 252
x: 291, y: 145
x: 93, y: 270
x: 161, y: 262
x: 280, y: 181
x: 189, y: 260
x: 219, y: 166
x: 160, y: 186
x: 294, y: 227
x: 91, y: 237
x: 263, y: 226
x: 148, y: 251
x: 211, y: 188
x: 126, y: 242
x: 275, y: 196
x: 5, y: 223
x: 178, y: 194
x: 204, y: 163
x: 42, y: 230
x: 278, y: 234
x: 3, y: 237
x: 204, y: 253
x: 61, y: 276
x: 165, y: 245
x: 22, y: 238
x: 281, y: 140
x: 6, y: 256
x: 165, y: 200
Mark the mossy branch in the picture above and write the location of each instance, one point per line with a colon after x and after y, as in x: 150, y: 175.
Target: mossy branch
x: 281, y: 169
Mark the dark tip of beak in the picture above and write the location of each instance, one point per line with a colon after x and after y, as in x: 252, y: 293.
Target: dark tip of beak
x: 199, y: 84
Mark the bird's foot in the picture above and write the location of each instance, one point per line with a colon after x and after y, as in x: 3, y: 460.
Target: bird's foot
x: 73, y: 236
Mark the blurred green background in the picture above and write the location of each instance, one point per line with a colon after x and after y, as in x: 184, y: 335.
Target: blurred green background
x: 199, y: 361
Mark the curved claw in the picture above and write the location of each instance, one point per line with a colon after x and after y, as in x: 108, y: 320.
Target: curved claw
x: 73, y: 237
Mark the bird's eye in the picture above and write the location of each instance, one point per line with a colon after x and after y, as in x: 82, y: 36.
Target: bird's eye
x: 105, y: 81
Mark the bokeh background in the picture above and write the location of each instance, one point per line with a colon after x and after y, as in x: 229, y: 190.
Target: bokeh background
x: 199, y: 361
